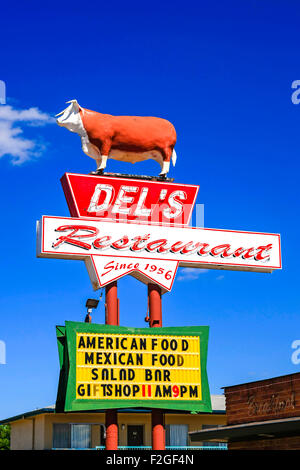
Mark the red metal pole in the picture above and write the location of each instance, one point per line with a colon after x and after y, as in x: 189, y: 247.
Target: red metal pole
x: 158, y: 430
x: 111, y: 318
x: 155, y: 311
x: 111, y: 424
x: 155, y: 320
x: 111, y: 303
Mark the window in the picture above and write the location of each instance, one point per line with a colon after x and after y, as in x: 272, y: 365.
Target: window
x: 61, y: 436
x: 80, y: 436
x: 177, y: 435
x: 71, y: 436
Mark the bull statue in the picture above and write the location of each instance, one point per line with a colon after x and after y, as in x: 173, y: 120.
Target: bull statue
x: 126, y: 138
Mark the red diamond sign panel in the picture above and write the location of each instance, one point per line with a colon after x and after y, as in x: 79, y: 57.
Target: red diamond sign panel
x: 132, y: 200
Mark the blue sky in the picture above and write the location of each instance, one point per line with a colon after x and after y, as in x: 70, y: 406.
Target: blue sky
x: 221, y: 72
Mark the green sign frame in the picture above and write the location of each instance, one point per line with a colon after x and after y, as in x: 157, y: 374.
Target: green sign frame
x: 66, y: 396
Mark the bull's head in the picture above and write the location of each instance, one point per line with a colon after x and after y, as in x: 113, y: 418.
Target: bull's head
x: 70, y: 117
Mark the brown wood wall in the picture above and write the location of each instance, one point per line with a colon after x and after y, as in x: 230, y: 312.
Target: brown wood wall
x: 263, y: 400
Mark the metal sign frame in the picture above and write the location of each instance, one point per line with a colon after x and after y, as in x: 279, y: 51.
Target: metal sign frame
x: 66, y: 398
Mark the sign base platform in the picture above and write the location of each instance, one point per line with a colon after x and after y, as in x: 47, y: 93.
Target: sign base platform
x: 136, y: 177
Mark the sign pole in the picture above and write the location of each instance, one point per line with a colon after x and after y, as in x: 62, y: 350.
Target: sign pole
x: 111, y: 318
x: 155, y: 321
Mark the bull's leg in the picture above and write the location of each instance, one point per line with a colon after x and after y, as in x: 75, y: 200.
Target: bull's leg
x: 104, y: 150
x: 166, y: 154
x: 165, y: 168
x: 102, y: 164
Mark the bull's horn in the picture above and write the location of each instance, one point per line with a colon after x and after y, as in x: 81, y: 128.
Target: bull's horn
x: 59, y: 114
x: 75, y: 103
x: 68, y: 102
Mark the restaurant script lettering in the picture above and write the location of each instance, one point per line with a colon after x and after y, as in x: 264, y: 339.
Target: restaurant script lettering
x: 275, y: 404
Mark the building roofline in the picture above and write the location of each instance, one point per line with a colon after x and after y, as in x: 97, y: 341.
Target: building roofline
x: 260, y: 429
x: 262, y: 380
x: 51, y: 409
x: 29, y: 414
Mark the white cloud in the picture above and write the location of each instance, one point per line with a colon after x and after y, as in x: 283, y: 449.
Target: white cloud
x: 12, y: 139
x: 189, y: 274
x: 219, y: 278
x: 31, y: 115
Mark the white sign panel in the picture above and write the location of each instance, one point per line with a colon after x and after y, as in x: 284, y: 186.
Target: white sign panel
x: 153, y: 253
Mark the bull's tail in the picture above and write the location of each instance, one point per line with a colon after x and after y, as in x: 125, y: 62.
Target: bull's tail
x: 174, y: 157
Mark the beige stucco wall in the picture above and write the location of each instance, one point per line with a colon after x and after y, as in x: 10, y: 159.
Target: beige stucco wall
x: 39, y: 432
x: 38, y: 429
x: 28, y: 433
x: 21, y: 435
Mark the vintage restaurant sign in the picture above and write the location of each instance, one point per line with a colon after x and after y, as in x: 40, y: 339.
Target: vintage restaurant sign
x: 123, y: 226
x: 152, y: 252
x: 116, y: 367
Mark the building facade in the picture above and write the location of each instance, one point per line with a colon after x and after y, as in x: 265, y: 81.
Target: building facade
x: 45, y: 429
x: 261, y: 415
